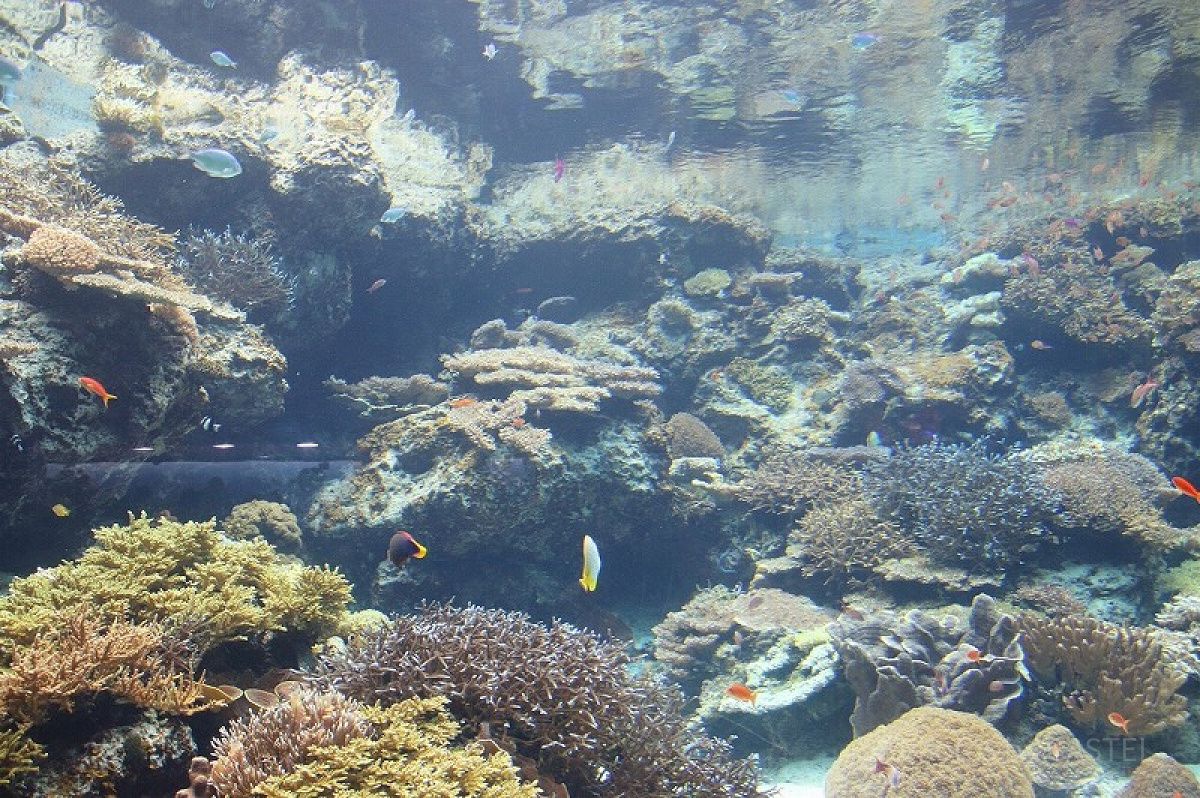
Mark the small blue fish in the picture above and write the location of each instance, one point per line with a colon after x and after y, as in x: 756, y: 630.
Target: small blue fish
x: 10, y: 71
x: 220, y: 59
x: 216, y: 162
x: 269, y: 132
x: 393, y: 215
x: 210, y: 3
x: 792, y: 96
x: 863, y: 39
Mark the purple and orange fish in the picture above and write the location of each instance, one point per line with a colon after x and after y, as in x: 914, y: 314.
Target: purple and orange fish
x: 404, y: 546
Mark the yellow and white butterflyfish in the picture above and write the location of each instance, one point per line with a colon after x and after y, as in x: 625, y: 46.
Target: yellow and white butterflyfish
x: 591, y: 564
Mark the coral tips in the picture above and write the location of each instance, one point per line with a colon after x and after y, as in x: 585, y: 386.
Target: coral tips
x: 1185, y: 487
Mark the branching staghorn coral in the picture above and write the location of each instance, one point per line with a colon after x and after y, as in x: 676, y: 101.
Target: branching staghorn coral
x: 788, y: 481
x: 1100, y: 667
x: 276, y: 740
x: 963, y: 506
x: 841, y: 539
x: 185, y: 574
x: 409, y: 751
x: 238, y: 269
x: 79, y: 657
x: 559, y: 696
x: 18, y: 754
x: 547, y: 379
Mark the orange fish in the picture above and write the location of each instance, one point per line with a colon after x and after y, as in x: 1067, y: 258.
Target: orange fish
x: 462, y: 401
x: 1119, y: 720
x: 974, y: 654
x: 742, y: 693
x: 94, y: 386
x: 1187, y: 488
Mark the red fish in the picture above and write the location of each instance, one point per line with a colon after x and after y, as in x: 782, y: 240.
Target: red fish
x: 1187, y: 488
x: 974, y: 654
x: 742, y: 693
x: 403, y: 546
x: 559, y: 168
x: 1120, y: 721
x: 462, y: 401
x: 94, y: 386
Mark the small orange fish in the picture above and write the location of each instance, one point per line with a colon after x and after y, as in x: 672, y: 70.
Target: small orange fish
x: 715, y: 374
x: 517, y: 423
x: 1056, y: 749
x: 462, y: 401
x: 974, y: 654
x: 1097, y: 253
x: 1141, y: 392
x: 1187, y: 488
x: 742, y: 693
x: 94, y: 386
x: 1120, y: 721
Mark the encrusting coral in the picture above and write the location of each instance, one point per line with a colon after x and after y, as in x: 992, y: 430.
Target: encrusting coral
x: 185, y: 574
x: 1057, y: 762
x: 1160, y: 774
x: 269, y: 520
x: 929, y: 751
x: 1099, y: 668
x: 554, y: 695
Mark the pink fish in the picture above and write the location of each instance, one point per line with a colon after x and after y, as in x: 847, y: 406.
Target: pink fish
x: 559, y: 168
x: 375, y: 286
x: 1141, y: 392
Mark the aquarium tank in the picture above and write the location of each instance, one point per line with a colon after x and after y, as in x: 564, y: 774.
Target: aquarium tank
x: 611, y: 398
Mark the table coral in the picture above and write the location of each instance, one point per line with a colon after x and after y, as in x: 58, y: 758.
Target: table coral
x: 935, y: 752
x: 185, y: 573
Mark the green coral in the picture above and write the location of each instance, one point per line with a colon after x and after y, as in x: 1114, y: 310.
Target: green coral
x: 766, y: 385
x: 410, y: 754
x: 1183, y: 579
x: 187, y: 574
x: 18, y: 754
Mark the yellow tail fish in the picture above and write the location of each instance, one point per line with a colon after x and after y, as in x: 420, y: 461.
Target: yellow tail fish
x: 591, y: 564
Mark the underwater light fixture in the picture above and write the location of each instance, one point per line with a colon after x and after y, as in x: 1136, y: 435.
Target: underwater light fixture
x: 222, y: 445
x: 143, y: 449
x: 307, y: 445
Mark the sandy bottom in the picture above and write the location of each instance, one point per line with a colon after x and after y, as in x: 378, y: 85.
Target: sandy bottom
x: 803, y: 778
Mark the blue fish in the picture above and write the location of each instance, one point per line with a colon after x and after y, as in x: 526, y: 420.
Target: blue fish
x: 10, y: 71
x: 863, y: 40
x: 220, y: 59
x: 216, y: 162
x: 393, y: 215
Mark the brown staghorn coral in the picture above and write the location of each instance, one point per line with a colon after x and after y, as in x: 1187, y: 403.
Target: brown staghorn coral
x: 558, y: 696
x: 787, y: 481
x: 274, y: 741
x: 78, y: 657
x: 842, y: 539
x: 1100, y: 667
x: 18, y: 754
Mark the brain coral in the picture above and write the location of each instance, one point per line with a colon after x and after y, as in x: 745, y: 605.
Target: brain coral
x: 935, y: 752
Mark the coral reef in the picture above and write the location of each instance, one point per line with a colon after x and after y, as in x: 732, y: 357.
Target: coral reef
x: 277, y: 740
x: 894, y: 664
x: 238, y: 269
x: 1097, y: 668
x: 272, y: 521
x: 933, y: 752
x: 185, y: 574
x: 387, y: 398
x: 1160, y: 774
x: 688, y: 436
x: 559, y: 696
x: 841, y: 541
x: 18, y: 754
x: 1057, y: 762
x: 932, y: 491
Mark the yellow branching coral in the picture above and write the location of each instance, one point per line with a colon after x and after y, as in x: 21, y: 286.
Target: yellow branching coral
x: 1104, y: 668
x: 187, y: 575
x: 78, y: 656
x: 409, y: 753
x: 18, y: 754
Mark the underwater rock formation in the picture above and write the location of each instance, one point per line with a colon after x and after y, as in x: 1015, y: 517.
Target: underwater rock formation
x: 894, y: 664
x: 929, y: 751
x: 1160, y: 774
x: 1058, y: 763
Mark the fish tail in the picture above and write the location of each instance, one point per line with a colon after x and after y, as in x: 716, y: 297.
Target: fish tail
x: 106, y: 397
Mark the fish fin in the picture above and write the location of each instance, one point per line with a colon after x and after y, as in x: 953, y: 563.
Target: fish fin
x: 421, y: 551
